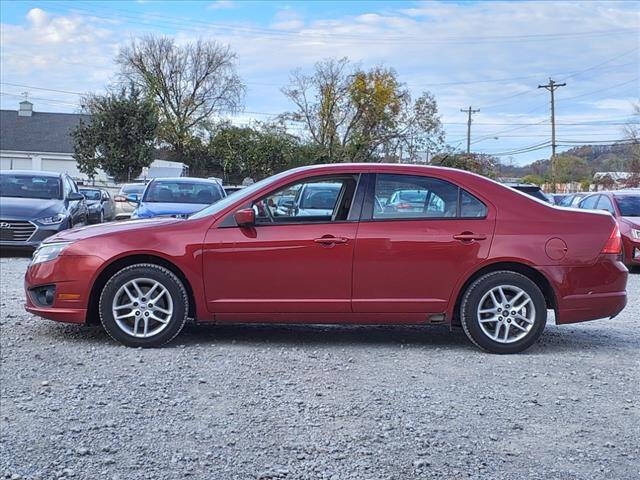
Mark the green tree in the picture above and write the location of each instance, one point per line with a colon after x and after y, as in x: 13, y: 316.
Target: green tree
x: 255, y: 152
x: 353, y: 114
x: 481, y: 164
x: 570, y: 168
x: 188, y: 82
x: 120, y: 136
x: 533, y: 179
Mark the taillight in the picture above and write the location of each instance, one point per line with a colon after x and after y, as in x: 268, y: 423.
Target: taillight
x: 614, y: 244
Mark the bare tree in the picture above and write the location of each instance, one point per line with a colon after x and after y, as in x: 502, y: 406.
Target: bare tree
x: 189, y: 82
x: 358, y: 115
x: 632, y: 132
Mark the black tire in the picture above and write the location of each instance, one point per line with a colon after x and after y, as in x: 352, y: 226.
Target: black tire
x: 158, y: 274
x: 471, y: 303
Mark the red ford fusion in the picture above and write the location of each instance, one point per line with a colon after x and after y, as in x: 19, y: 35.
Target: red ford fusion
x: 345, y: 243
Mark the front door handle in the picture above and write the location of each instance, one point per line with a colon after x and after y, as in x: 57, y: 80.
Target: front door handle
x: 469, y: 236
x: 330, y: 240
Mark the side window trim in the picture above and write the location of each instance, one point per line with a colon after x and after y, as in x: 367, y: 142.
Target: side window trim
x: 367, y: 209
x: 354, y: 210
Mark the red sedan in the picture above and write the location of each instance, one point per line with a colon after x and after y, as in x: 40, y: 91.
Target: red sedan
x: 357, y: 244
x: 624, y: 205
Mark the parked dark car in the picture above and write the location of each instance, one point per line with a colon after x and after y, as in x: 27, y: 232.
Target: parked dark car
x: 176, y: 196
x: 478, y: 255
x: 534, y: 190
x: 624, y: 205
x: 35, y: 205
x: 100, y: 204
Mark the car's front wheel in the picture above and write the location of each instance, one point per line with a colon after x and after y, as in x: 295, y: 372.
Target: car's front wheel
x: 503, y: 312
x: 144, y: 305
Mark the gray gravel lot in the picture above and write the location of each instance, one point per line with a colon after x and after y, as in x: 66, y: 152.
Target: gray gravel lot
x: 300, y: 402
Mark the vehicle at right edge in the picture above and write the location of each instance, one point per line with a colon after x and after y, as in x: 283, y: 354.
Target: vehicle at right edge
x: 624, y: 205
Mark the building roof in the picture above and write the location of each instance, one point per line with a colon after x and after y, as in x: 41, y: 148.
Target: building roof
x: 40, y: 132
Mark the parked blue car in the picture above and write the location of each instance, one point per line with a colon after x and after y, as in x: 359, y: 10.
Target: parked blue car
x: 176, y: 196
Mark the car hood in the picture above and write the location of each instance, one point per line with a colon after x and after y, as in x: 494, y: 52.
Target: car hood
x: 92, y: 202
x: 157, y: 208
x: 633, y: 222
x: 109, y: 228
x: 13, y: 208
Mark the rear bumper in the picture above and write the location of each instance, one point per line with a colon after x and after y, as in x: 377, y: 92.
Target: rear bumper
x: 589, y: 292
x: 582, y: 308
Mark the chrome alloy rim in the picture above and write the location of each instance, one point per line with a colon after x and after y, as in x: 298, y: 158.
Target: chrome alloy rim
x: 506, y: 314
x: 142, y: 307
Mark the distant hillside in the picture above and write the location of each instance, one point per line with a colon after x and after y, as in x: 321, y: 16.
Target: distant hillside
x: 599, y: 158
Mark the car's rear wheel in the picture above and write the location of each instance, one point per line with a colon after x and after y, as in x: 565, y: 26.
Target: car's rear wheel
x: 503, y: 312
x: 143, y: 305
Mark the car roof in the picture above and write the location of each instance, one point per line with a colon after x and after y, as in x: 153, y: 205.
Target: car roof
x: 32, y: 172
x: 186, y: 180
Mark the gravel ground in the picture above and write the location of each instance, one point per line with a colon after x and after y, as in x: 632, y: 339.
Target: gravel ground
x: 300, y: 402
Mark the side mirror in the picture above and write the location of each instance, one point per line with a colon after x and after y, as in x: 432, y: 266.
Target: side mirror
x: 75, y: 196
x: 245, y: 217
x: 133, y: 197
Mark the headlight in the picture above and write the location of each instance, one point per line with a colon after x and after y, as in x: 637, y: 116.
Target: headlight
x: 635, y: 233
x: 48, y: 251
x: 58, y: 218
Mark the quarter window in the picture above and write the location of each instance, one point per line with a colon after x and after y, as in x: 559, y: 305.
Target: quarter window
x: 412, y: 196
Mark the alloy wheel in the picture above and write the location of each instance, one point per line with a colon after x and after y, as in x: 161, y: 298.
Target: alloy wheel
x: 506, y: 314
x: 142, y: 307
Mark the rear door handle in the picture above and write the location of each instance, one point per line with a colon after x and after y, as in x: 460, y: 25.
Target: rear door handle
x: 468, y: 236
x: 330, y: 240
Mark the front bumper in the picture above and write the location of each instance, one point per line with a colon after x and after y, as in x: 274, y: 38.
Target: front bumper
x: 72, y: 277
x: 631, y: 251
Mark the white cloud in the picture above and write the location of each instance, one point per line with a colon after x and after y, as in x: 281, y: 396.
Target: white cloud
x: 222, y: 4
x: 433, y: 46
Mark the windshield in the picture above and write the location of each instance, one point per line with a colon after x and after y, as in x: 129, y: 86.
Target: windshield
x: 30, y: 186
x: 182, y: 192
x: 629, y: 205
x: 91, y: 194
x: 238, y: 195
x: 132, y: 188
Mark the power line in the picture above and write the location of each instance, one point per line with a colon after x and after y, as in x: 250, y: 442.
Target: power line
x: 188, y: 23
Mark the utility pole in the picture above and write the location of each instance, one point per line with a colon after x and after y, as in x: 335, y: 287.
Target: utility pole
x: 551, y: 86
x: 469, y: 111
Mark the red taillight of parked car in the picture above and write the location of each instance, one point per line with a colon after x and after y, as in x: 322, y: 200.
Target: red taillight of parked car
x: 614, y: 244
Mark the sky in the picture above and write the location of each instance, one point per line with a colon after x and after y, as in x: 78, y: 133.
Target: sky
x: 488, y: 55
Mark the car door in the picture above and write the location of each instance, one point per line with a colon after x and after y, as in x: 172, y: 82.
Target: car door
x: 107, y: 205
x: 76, y: 207
x: 408, y: 260
x: 287, y: 262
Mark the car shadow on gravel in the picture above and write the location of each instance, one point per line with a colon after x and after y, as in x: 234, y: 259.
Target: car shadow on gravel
x: 557, y: 339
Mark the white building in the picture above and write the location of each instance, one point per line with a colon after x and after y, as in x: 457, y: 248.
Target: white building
x: 32, y: 140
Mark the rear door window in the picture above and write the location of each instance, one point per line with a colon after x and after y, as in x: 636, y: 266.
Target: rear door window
x: 413, y: 196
